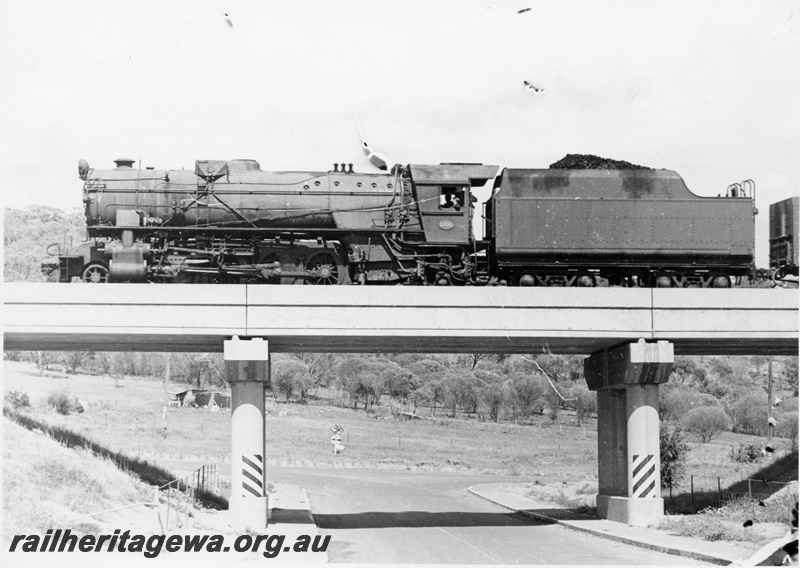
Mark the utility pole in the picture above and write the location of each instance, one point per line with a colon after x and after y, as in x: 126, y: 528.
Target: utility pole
x: 165, y: 404
x: 771, y: 428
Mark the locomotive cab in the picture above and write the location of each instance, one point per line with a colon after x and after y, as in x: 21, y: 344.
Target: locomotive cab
x: 445, y: 200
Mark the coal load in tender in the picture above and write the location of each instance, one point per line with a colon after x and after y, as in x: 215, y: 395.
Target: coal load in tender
x: 590, y: 162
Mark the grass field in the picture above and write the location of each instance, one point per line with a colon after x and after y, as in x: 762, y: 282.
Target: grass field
x: 46, y: 485
x: 126, y: 416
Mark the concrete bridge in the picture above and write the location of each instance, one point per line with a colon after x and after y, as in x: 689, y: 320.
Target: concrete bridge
x: 147, y: 317
x: 631, y: 335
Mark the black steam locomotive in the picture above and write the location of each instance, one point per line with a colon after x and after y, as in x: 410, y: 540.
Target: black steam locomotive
x: 783, y: 233
x: 231, y: 222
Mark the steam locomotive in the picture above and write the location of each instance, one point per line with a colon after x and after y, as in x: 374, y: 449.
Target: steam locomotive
x: 783, y: 233
x: 231, y: 222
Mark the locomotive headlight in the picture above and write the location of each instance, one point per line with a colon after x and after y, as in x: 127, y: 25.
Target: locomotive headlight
x: 83, y: 169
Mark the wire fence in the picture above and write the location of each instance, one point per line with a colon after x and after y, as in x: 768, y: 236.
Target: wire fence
x: 181, y: 494
x: 750, y: 494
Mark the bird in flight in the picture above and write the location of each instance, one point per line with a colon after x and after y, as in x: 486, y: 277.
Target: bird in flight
x: 377, y: 159
x: 524, y: 10
x: 533, y: 90
x: 228, y: 19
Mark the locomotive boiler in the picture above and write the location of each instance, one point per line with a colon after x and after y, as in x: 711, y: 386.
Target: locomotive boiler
x: 230, y: 221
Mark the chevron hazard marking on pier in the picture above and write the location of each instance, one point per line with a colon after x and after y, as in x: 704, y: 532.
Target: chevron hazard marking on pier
x: 253, y: 474
x: 644, y: 475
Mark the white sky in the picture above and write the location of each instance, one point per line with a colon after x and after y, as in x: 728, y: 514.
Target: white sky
x: 707, y: 88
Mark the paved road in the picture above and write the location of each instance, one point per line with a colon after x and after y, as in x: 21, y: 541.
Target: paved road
x: 395, y: 517
x: 398, y: 517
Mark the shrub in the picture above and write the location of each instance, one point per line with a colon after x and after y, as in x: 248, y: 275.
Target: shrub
x: 17, y: 400
x: 787, y: 427
x: 674, y: 452
x: 679, y: 400
x: 750, y: 415
x: 746, y: 453
x: 63, y: 404
x: 706, y: 423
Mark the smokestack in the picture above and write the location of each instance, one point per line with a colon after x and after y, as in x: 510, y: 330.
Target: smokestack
x: 124, y: 163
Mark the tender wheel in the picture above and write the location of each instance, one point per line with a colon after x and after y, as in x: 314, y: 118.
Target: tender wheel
x: 95, y: 273
x: 529, y: 278
x: 663, y: 280
x: 324, y: 269
x: 721, y: 281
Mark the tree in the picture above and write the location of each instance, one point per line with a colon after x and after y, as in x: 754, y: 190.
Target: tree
x: 28, y: 233
x: 674, y: 453
x: 686, y: 371
x: 789, y: 374
x: 286, y: 374
x: 422, y: 395
x: 428, y: 380
x: 787, y: 427
x: 319, y: 366
x: 789, y: 404
x: 466, y: 390
x: 452, y: 390
x: 553, y: 401
x: 677, y: 400
x: 363, y: 379
x: 750, y: 413
x: 706, y: 422
x: 493, y: 392
x: 585, y: 402
x: 527, y: 394
x: 42, y: 360
x: 471, y: 360
x: 74, y: 359
x: 398, y: 382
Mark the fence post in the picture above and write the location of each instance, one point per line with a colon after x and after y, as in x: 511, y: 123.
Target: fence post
x: 719, y: 492
x: 749, y: 490
x: 169, y: 496
x: 691, y: 480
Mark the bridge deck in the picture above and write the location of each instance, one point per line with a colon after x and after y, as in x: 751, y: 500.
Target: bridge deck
x: 147, y: 317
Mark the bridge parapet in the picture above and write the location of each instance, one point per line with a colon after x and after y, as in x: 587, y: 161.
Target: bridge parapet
x: 148, y: 317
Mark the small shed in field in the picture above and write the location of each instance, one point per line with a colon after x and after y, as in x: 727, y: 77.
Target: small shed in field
x: 204, y: 398
x: 181, y: 398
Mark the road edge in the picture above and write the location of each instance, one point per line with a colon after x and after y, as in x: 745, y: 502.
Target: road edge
x: 625, y: 540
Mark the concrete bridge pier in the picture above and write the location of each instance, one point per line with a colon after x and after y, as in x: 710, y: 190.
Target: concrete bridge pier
x: 247, y: 371
x: 626, y: 379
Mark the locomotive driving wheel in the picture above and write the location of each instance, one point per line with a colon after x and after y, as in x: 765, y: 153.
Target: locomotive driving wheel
x: 325, y: 269
x: 95, y: 273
